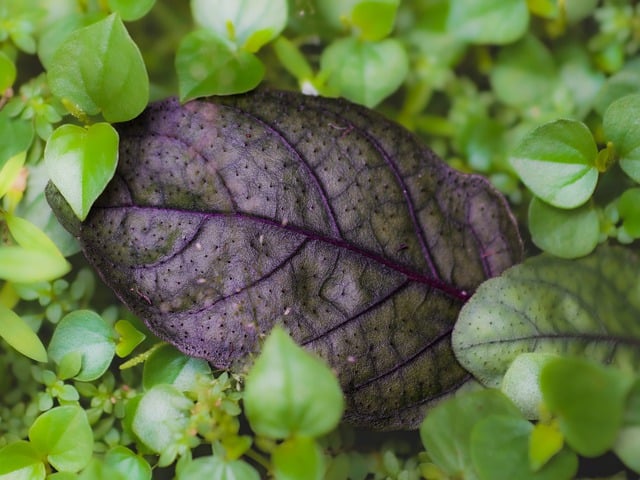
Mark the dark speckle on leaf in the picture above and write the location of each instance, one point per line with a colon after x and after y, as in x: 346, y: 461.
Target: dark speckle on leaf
x: 309, y: 212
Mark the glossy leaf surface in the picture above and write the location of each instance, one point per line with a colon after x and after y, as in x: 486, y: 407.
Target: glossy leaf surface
x: 229, y: 216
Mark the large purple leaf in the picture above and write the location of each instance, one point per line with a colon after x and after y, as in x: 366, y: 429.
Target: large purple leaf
x: 230, y: 215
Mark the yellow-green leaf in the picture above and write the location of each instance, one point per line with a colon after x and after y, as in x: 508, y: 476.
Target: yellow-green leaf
x: 19, y: 335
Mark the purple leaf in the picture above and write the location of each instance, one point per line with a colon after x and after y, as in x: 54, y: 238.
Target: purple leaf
x: 234, y: 214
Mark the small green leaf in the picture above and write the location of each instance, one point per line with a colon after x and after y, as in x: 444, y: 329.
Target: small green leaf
x: 552, y: 305
x: 545, y: 442
x: 296, y: 458
x: 166, y: 365
x: 292, y: 59
x: 7, y: 72
x: 20, y: 461
x: 500, y: 450
x: 28, y: 236
x: 99, y: 69
x: 521, y: 382
x: 131, y: 10
x: 490, y: 21
x: 446, y: 431
x: 209, y: 65
x: 621, y: 124
x: 629, y: 210
x: 86, y: 332
x: 588, y: 400
x: 70, y: 365
x: 81, y: 161
x: 10, y: 170
x: 22, y: 265
x: 64, y: 436
x: 127, y: 463
x: 374, y: 18
x: 15, y: 331
x: 279, y: 398
x: 161, y: 414
x: 365, y: 72
x: 557, y: 162
x: 130, y: 337
x: 218, y: 468
x: 249, y: 24
x: 564, y: 233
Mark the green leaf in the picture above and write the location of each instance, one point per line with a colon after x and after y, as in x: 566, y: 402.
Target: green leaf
x: 364, y: 72
x: 374, y: 18
x: 296, y: 458
x: 627, y: 447
x: 218, y: 468
x: 127, y: 463
x: 86, y: 332
x: 623, y: 83
x: 209, y: 65
x: 20, y: 461
x: 621, y: 124
x: 521, y: 382
x: 545, y: 442
x: 161, y: 414
x: 131, y: 10
x: 64, y: 436
x: 21, y: 134
x: 130, y: 337
x: 10, y: 171
x: 81, y: 161
x: 292, y: 59
x: 524, y: 74
x: 249, y: 24
x: 556, y: 161
x: 99, y: 69
x: 28, y: 236
x: 588, y: 306
x: 628, y: 206
x: 588, y: 400
x: 17, y: 333
x: 99, y: 470
x: 446, y: 431
x: 70, y: 365
x: 23, y: 265
x: 564, y: 233
x: 166, y: 365
x: 500, y: 451
x: 279, y: 398
x: 490, y: 21
x: 7, y: 72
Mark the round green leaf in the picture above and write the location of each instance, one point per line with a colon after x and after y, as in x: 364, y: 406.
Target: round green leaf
x: 524, y: 74
x: 86, y: 332
x: 629, y: 211
x: 365, y: 72
x: 553, y: 305
x: 15, y: 331
x: 100, y: 69
x: 588, y: 400
x: 621, y: 124
x: 7, y: 72
x: 161, y: 414
x: 81, y: 161
x: 128, y: 464
x: 249, y: 24
x: 289, y: 391
x: 24, y: 265
x: 521, y: 382
x: 64, y: 436
x: 374, y: 19
x: 500, y: 451
x: 490, y: 21
x: 556, y: 161
x: 296, y: 458
x: 209, y: 65
x: 446, y: 430
x: 218, y: 468
x: 20, y: 461
x: 166, y: 365
x: 564, y: 233
x: 131, y: 10
x: 21, y: 134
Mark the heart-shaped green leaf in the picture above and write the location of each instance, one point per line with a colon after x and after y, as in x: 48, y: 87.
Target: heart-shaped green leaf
x: 130, y: 337
x: 81, y: 161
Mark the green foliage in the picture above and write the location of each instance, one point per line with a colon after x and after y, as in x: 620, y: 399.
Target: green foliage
x: 541, y: 94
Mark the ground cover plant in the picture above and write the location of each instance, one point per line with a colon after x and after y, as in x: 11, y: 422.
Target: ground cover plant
x: 539, y: 97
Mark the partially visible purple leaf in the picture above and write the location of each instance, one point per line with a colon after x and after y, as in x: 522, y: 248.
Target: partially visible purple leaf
x: 230, y: 215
